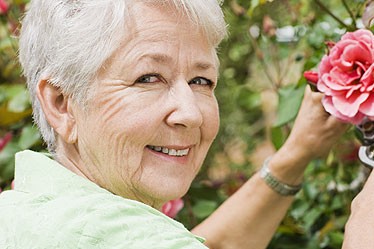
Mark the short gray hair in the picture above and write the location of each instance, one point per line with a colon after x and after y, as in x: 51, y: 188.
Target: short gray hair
x: 68, y: 41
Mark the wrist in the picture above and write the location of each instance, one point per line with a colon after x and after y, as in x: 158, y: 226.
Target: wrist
x: 297, y: 149
x: 275, y: 184
x: 288, y: 166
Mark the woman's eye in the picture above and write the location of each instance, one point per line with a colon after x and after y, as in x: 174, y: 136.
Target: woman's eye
x: 201, y: 81
x: 148, y: 78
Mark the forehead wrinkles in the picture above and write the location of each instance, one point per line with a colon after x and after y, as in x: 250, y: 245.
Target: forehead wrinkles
x: 157, y: 46
x: 152, y: 27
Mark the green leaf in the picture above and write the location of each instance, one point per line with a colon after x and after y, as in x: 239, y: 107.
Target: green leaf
x: 311, y: 217
x: 5, y: 43
x: 248, y: 99
x: 336, y: 239
x: 299, y: 209
x: 20, y: 102
x: 29, y: 137
x: 277, y: 137
x: 204, y: 208
x: 310, y: 191
x: 7, y: 160
x: 289, y: 103
x: 10, y: 91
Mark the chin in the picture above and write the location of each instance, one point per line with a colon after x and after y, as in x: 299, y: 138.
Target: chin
x: 170, y: 191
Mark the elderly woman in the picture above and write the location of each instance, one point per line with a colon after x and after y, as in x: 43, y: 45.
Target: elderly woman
x: 123, y: 94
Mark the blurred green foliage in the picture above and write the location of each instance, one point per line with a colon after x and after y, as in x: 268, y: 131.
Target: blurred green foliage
x: 261, y: 86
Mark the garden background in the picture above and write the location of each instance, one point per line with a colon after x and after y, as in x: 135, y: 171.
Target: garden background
x: 271, y: 43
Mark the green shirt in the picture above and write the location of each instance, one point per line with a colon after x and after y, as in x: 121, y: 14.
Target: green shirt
x: 51, y: 207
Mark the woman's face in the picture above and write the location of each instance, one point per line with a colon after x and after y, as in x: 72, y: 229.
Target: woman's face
x: 153, y: 114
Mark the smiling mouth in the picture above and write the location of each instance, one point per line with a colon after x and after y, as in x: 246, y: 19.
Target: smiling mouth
x: 170, y: 152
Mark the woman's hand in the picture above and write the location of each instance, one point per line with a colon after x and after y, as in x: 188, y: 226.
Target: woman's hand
x: 313, y: 134
x: 315, y: 131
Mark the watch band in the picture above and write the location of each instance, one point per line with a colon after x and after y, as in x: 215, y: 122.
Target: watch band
x: 276, y: 185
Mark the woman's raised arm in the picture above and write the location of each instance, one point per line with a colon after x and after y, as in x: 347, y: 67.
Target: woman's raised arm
x: 249, y: 218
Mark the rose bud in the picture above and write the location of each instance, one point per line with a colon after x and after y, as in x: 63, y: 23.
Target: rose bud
x: 312, y: 79
x: 171, y: 208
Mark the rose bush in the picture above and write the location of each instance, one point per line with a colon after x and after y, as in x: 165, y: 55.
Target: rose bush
x: 346, y: 77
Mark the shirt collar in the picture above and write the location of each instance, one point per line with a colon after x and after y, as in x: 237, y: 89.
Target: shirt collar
x: 37, y: 173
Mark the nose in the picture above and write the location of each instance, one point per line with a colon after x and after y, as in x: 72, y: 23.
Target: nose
x: 186, y: 110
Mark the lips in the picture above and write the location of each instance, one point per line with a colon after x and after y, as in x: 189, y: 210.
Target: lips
x: 169, y: 151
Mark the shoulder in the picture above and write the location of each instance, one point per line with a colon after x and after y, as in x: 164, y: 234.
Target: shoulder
x: 94, y: 220
x: 123, y: 223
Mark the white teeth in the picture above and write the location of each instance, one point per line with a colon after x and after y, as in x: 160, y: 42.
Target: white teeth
x: 170, y: 152
x: 182, y: 152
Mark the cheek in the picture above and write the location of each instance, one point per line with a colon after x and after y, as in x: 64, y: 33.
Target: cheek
x: 210, y: 126
x: 123, y: 117
x: 108, y: 131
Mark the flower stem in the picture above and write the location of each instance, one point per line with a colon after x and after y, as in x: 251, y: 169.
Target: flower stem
x: 260, y: 56
x: 349, y: 12
x: 324, y: 8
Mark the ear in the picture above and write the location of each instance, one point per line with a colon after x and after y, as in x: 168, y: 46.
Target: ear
x: 58, y: 110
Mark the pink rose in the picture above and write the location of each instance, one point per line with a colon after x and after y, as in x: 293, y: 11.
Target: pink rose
x: 171, y: 208
x: 3, y: 7
x: 346, y: 77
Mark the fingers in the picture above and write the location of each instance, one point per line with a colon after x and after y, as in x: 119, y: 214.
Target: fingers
x: 332, y: 121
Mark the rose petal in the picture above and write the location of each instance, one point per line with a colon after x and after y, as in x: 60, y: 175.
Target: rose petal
x: 352, y: 90
x: 344, y: 78
x: 330, y: 108
x: 325, y: 66
x: 352, y: 53
x: 369, y: 88
x: 357, y: 119
x: 349, y: 106
x: 368, y: 78
x: 367, y: 107
x: 360, y: 34
x: 321, y: 85
x: 327, y: 84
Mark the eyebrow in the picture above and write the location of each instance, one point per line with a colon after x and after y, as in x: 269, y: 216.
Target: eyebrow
x: 165, y: 59
x: 159, y: 58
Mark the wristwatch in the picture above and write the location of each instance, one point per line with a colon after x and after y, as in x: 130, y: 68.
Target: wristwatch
x: 275, y: 184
